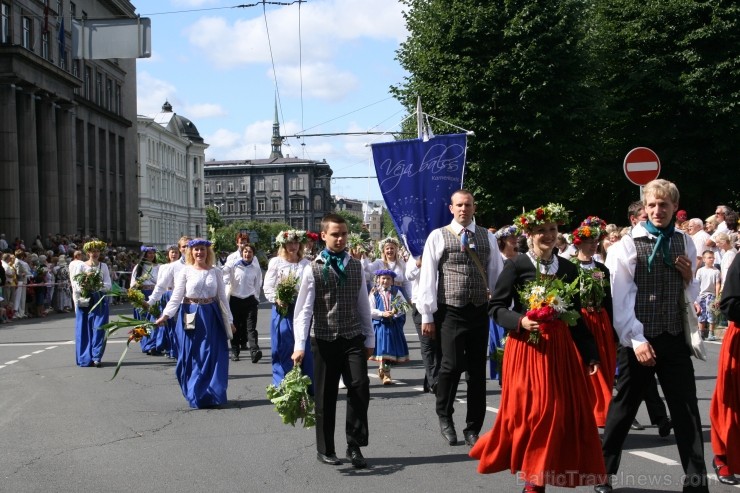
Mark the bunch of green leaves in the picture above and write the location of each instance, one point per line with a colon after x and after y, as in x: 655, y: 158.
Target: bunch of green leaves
x: 286, y: 291
x: 89, y: 282
x: 399, y: 304
x: 292, y: 400
x: 139, y: 328
x: 593, y: 285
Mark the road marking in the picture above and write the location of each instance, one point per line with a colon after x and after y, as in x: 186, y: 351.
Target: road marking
x: 24, y: 356
x: 2, y: 366
x: 39, y: 351
x: 11, y: 362
x: 656, y: 458
x: 492, y: 409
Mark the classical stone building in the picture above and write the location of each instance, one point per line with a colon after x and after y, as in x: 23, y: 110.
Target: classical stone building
x: 67, y: 140
x: 171, y: 157
x: 286, y: 189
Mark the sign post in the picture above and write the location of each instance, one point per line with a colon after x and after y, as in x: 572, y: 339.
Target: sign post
x: 641, y: 166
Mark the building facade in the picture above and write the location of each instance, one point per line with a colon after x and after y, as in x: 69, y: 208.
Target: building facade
x: 277, y: 189
x: 67, y: 140
x: 171, y: 158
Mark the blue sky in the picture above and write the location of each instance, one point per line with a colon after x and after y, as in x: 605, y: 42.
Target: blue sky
x: 215, y: 68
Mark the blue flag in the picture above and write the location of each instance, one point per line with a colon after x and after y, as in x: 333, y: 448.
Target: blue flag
x: 417, y: 179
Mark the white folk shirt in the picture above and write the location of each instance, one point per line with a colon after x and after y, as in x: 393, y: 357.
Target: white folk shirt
x: 166, y: 279
x: 243, y: 281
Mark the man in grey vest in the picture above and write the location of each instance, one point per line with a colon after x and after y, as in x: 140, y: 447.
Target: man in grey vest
x: 649, y: 271
x: 333, y: 302
x: 460, y: 268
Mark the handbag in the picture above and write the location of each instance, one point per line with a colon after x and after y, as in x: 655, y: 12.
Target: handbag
x: 190, y: 321
x: 691, y: 327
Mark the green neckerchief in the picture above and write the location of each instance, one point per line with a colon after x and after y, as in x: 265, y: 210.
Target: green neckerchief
x: 336, y: 261
x: 663, y: 243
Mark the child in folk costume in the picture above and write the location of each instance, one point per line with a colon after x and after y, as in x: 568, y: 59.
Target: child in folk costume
x: 387, y: 310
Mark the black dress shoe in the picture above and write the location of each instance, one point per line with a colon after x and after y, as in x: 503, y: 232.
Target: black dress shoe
x: 723, y: 473
x: 636, y: 426
x: 256, y: 356
x: 330, y: 459
x: 470, y: 438
x: 603, y: 488
x: 235, y: 356
x: 355, y: 456
x: 447, y: 428
x: 664, y: 427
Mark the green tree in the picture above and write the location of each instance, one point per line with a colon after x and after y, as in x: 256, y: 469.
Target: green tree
x: 213, y: 218
x: 387, y: 226
x: 353, y: 222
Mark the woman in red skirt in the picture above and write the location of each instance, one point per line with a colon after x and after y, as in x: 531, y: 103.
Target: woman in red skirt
x: 545, y: 427
x: 596, y: 310
x: 725, y: 406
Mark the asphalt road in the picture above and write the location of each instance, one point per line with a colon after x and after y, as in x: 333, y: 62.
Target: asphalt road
x: 70, y: 429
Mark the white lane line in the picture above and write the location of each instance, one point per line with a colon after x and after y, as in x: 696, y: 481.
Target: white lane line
x: 2, y: 366
x: 492, y: 409
x: 39, y: 351
x: 11, y: 362
x: 24, y: 356
x: 656, y: 458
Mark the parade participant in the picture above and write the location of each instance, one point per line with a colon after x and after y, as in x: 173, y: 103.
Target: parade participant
x: 546, y: 364
x: 333, y: 304
x: 507, y: 238
x: 649, y: 271
x: 286, y: 268
x: 162, y: 293
x: 243, y: 281
x: 389, y: 316
x: 431, y: 353
x: 204, y: 327
x: 144, y: 276
x: 596, y: 310
x: 89, y: 314
x: 389, y: 260
x: 461, y: 263
x: 309, y: 250
x: 242, y: 240
x: 725, y: 405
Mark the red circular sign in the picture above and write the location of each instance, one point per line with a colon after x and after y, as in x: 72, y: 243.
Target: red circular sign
x: 641, y: 166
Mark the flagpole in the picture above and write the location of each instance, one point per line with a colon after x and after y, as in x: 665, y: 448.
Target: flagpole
x: 419, y: 115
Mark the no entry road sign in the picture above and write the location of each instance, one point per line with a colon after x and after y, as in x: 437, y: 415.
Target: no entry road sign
x: 641, y: 166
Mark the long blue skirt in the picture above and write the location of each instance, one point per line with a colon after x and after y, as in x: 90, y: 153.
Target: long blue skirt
x: 89, y: 340
x: 166, y: 340
x: 390, y: 343
x: 495, y: 336
x: 202, y: 356
x: 149, y: 343
x: 282, y: 341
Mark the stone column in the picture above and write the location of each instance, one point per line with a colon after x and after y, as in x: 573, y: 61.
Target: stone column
x: 29, y: 166
x: 67, y: 170
x: 10, y: 212
x: 46, y: 135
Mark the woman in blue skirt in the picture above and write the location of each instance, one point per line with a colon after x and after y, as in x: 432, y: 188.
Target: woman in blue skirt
x: 89, y: 314
x: 204, y: 327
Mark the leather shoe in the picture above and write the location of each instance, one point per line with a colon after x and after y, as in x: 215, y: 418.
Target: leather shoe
x: 330, y: 459
x: 664, y: 427
x: 447, y: 429
x: 355, y: 456
x: 603, y: 488
x: 723, y: 473
x: 470, y: 438
x: 256, y: 356
x: 636, y: 426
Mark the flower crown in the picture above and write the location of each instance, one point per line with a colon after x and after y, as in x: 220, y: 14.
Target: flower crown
x: 385, y: 272
x: 198, y: 242
x: 507, y: 231
x: 312, y: 236
x: 591, y: 227
x: 390, y: 240
x: 290, y: 235
x: 145, y: 248
x: 94, y: 245
x: 550, y: 213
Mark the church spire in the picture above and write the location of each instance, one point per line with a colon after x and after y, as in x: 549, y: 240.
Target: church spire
x: 276, y: 140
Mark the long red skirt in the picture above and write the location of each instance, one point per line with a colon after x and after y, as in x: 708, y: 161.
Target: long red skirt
x: 601, y: 385
x: 725, y: 406
x: 545, y: 427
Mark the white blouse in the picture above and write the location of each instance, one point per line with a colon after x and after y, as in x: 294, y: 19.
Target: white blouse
x: 193, y: 283
x: 277, y: 268
x: 151, y: 269
x: 84, y: 267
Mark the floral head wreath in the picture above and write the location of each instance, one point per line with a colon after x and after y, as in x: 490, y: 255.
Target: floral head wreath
x: 312, y: 236
x: 550, y: 213
x: 198, y: 242
x: 94, y: 245
x: 591, y: 227
x: 145, y: 248
x: 385, y: 272
x: 290, y: 235
x: 507, y: 231
x: 390, y: 240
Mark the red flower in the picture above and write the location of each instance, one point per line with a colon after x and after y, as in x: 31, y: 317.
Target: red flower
x: 539, y: 214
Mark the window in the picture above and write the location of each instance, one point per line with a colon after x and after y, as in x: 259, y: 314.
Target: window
x: 195, y: 197
x: 218, y: 187
x: 207, y: 187
x: 275, y: 205
x: 4, y: 23
x: 73, y: 9
x: 117, y: 108
x: 231, y: 186
x: 261, y: 185
x: 195, y: 166
x: 244, y: 185
x: 45, y: 45
x: 296, y: 183
x: 99, y: 89
x: 27, y: 36
x: 318, y: 183
x: 88, y: 82
x: 296, y: 205
x: 260, y: 205
x: 109, y: 94
x: 231, y: 207
x: 275, y: 184
x: 296, y: 223
x: 317, y: 203
x: 242, y: 206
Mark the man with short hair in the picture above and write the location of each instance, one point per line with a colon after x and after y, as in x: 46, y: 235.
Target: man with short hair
x: 461, y: 265
x: 242, y: 240
x: 699, y: 237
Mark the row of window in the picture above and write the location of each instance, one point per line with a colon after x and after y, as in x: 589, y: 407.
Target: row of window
x: 260, y: 185
x: 296, y: 205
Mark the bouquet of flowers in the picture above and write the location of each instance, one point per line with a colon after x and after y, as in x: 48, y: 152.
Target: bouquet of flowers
x: 399, y: 304
x: 137, y: 298
x: 548, y: 298
x: 89, y: 282
x: 356, y: 244
x: 292, y: 400
x: 139, y: 329
x: 593, y: 287
x: 286, y: 291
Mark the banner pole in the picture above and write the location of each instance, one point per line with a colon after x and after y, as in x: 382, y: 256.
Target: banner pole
x: 419, y: 122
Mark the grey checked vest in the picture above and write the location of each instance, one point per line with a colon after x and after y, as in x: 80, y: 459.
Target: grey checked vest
x: 459, y: 281
x: 659, y: 293
x: 335, y: 308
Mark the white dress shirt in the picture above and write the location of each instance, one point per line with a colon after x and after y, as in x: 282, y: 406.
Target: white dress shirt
x: 621, y: 262
x: 166, y: 279
x: 304, y: 308
x: 426, y: 298
x: 194, y: 283
x: 84, y: 267
x: 412, y: 276
x: 243, y: 281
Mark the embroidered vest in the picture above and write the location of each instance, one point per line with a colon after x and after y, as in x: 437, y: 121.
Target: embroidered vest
x: 459, y: 281
x: 335, y: 307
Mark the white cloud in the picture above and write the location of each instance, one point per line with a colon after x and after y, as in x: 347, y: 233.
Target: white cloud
x: 193, y: 3
x: 151, y: 93
x: 321, y: 81
x: 203, y: 110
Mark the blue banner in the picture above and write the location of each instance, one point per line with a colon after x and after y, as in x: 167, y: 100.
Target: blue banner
x: 417, y: 179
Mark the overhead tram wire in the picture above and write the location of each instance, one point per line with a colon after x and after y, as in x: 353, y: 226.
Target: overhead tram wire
x: 300, y: 70
x: 246, y: 5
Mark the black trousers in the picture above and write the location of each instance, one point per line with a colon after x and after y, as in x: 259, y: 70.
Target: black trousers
x: 332, y: 359
x: 676, y: 374
x: 463, y: 334
x: 655, y: 405
x: 431, y: 353
x: 244, y: 311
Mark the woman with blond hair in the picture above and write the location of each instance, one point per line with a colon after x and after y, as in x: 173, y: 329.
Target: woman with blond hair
x: 91, y: 311
x: 390, y: 259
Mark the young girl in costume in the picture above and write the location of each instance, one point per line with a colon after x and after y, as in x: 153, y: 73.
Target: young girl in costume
x: 388, y: 310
